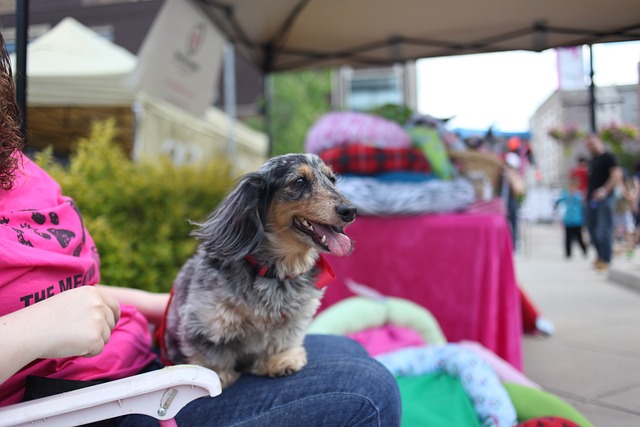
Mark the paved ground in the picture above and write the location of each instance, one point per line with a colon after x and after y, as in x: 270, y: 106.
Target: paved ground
x: 593, y: 359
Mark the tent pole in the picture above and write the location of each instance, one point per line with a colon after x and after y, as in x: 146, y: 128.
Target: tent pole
x: 267, y: 90
x: 592, y: 92
x: 230, y: 99
x: 22, y: 31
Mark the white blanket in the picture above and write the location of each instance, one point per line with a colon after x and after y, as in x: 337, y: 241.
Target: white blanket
x: 375, y: 197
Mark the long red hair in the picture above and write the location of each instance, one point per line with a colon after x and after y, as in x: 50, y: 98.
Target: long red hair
x: 11, y: 139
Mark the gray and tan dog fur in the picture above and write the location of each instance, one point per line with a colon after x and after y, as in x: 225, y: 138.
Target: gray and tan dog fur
x: 226, y: 316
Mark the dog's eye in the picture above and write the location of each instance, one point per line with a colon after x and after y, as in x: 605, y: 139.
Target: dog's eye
x: 299, y: 183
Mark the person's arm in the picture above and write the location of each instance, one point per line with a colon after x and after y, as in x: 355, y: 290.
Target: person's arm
x: 562, y: 198
x: 615, y: 175
x: 630, y: 194
x: 635, y: 191
x: 151, y: 305
x: 77, y: 322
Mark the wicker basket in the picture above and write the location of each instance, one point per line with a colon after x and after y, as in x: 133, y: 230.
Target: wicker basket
x: 472, y: 163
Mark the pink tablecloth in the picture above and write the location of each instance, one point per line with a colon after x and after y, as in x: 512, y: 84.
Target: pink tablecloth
x: 458, y: 266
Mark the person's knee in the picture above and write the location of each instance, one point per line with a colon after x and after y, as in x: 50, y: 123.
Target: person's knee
x: 372, y: 398
x: 379, y: 387
x: 328, y: 409
x: 351, y: 371
x: 380, y: 409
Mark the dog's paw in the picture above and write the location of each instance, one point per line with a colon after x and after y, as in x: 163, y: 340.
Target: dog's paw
x: 286, y: 363
x: 227, y: 378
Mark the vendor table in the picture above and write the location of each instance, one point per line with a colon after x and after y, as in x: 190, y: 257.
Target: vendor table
x: 458, y: 266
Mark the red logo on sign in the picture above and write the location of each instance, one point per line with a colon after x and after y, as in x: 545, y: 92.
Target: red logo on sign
x: 195, y: 39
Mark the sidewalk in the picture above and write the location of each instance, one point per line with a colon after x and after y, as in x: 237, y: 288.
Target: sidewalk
x: 593, y: 358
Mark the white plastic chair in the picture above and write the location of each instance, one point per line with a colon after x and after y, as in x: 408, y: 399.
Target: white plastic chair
x: 160, y: 394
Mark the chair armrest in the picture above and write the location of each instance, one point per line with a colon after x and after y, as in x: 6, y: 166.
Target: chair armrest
x: 160, y: 394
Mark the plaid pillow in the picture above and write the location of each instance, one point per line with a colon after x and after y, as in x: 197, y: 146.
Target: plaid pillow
x: 367, y: 160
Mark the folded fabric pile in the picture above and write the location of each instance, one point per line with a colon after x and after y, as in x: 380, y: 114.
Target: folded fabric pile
x: 373, y: 196
x: 388, y: 170
x: 444, y: 384
x: 341, y: 128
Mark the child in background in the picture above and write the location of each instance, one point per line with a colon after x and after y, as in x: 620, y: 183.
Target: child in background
x: 581, y: 173
x: 626, y: 210
x: 573, y: 198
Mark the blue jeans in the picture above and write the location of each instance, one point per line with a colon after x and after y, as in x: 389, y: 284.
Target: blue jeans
x: 340, y: 386
x: 600, y: 225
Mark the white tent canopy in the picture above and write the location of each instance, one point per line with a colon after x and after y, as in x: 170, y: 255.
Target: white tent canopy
x: 281, y: 35
x: 72, y: 65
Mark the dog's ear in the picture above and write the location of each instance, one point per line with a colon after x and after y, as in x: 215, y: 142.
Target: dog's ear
x: 236, y: 226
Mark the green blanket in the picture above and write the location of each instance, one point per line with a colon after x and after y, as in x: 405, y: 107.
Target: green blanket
x: 435, y: 400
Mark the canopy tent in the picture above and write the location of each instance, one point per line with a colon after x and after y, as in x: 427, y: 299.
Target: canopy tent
x: 74, y: 77
x: 72, y: 56
x: 282, y: 35
x: 294, y: 34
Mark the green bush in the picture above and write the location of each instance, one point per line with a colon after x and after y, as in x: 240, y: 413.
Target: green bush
x: 137, y: 213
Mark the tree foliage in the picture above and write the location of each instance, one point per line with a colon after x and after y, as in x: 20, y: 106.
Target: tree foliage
x: 298, y: 100
x: 137, y: 213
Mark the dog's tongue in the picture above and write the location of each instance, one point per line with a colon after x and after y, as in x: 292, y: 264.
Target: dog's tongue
x: 339, y: 244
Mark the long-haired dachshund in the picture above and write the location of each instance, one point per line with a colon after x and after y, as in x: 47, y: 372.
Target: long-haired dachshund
x: 244, y: 301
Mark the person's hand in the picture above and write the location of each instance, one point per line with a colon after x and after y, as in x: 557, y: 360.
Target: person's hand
x: 152, y: 305
x: 77, y: 322
x: 599, y: 194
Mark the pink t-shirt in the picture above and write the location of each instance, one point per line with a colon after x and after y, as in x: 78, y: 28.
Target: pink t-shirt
x: 45, y: 250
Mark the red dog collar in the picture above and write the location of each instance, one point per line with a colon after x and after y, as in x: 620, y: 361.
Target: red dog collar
x: 326, y: 274
x: 324, y: 277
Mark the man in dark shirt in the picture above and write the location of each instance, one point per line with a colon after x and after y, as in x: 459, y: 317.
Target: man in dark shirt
x: 604, y: 175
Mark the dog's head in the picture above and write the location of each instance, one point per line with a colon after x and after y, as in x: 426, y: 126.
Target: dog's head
x: 288, y: 211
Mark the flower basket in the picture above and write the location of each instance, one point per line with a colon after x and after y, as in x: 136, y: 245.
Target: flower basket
x: 617, y: 136
x: 566, y: 136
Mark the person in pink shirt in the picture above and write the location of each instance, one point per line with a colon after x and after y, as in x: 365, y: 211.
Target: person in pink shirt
x: 46, y: 252
x: 60, y: 328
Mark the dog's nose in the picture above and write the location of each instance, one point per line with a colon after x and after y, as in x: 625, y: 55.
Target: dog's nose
x: 347, y: 212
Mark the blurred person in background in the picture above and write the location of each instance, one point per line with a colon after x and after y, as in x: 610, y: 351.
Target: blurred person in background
x: 581, y: 173
x: 624, y: 227
x: 604, y: 175
x: 573, y: 200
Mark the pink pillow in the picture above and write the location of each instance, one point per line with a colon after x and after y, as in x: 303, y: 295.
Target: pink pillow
x: 341, y: 128
x: 387, y: 338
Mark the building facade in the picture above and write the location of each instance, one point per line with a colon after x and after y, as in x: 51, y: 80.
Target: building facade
x: 363, y: 89
x: 571, y: 108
